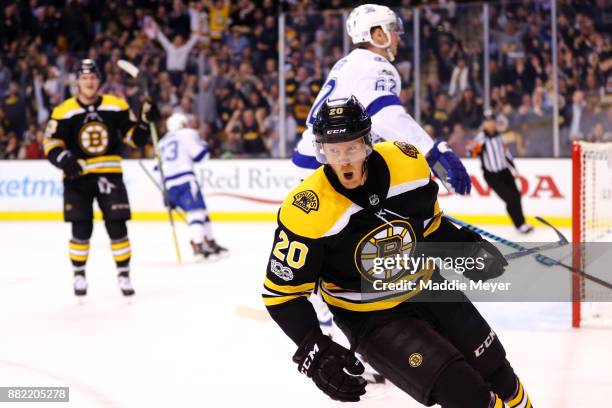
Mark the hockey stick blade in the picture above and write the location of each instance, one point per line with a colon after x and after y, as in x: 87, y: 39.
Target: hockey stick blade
x: 128, y: 67
x: 540, y: 258
x: 514, y: 245
x: 559, y: 234
x: 562, y: 242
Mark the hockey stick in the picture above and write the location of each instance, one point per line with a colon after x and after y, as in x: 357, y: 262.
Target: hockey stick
x: 562, y: 241
x: 177, y: 211
x: 133, y: 71
x: 540, y: 258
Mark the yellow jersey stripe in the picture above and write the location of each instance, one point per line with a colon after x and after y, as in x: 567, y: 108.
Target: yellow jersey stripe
x: 273, y: 301
x: 370, y: 306
x: 305, y: 287
x: 100, y: 159
x: 519, y: 397
x: 123, y: 257
x: 81, y: 258
x: 128, y: 138
x: 434, y: 225
x: 498, y: 402
x: 120, y: 245
x: 50, y: 144
x: 104, y: 170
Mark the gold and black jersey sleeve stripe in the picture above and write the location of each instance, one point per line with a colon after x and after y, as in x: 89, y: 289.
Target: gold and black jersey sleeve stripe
x: 292, y: 271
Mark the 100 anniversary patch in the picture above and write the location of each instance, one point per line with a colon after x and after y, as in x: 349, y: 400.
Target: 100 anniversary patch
x: 306, y: 201
x: 408, y: 149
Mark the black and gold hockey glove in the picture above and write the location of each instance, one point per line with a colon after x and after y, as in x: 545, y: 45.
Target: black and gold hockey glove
x: 492, y: 259
x: 149, y: 112
x: 334, y: 369
x: 70, y: 165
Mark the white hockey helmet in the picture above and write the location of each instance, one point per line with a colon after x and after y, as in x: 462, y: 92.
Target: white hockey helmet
x: 363, y: 18
x: 177, y: 121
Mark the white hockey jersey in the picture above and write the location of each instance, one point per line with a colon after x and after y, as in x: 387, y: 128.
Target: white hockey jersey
x: 375, y: 82
x: 179, y: 151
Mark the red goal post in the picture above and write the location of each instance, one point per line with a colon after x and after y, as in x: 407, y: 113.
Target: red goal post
x: 591, y: 222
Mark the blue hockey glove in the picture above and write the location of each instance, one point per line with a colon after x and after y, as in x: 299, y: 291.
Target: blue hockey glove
x: 454, y: 172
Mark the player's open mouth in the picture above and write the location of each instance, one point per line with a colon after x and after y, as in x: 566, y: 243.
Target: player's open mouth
x: 348, y: 175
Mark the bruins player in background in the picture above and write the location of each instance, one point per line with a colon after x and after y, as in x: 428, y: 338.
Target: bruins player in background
x: 368, y: 202
x: 84, y: 138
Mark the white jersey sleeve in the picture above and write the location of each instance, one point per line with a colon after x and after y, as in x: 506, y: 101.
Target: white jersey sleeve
x: 179, y: 151
x: 394, y: 123
x: 194, y: 146
x: 375, y: 82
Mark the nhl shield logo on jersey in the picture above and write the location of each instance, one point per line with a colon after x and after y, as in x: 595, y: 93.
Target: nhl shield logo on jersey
x: 408, y: 149
x: 306, y: 201
x: 93, y: 138
x: 385, y: 241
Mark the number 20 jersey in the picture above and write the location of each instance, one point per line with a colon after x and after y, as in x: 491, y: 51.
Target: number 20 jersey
x: 330, y: 234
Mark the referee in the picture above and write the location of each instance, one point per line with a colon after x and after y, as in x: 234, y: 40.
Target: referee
x: 497, y: 164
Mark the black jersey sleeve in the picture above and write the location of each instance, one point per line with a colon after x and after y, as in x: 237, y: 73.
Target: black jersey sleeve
x: 291, y: 276
x: 56, y: 136
x: 135, y: 132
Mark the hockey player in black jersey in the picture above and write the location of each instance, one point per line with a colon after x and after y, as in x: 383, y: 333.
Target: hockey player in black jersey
x: 84, y: 138
x: 371, y: 202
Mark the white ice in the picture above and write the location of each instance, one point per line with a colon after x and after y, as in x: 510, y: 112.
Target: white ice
x: 197, y: 335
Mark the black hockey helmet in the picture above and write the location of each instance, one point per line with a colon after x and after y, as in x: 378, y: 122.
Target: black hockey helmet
x: 88, y: 66
x: 341, y: 120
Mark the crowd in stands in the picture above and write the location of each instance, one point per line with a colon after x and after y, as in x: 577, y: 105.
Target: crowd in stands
x: 217, y: 62
x: 521, y: 72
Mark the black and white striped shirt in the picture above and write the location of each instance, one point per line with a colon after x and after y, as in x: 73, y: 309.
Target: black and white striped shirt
x: 493, y: 154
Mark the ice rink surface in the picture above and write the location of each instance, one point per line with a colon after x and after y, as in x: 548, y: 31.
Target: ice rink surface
x: 197, y: 335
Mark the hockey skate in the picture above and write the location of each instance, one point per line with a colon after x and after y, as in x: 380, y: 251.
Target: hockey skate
x: 80, y: 285
x: 216, y: 248
x: 202, y: 249
x: 125, y: 284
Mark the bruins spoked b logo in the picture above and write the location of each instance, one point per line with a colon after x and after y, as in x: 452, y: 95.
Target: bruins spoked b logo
x: 93, y: 138
x: 385, y: 241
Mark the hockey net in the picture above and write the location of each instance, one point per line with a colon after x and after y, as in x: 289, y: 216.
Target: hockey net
x: 591, y: 228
